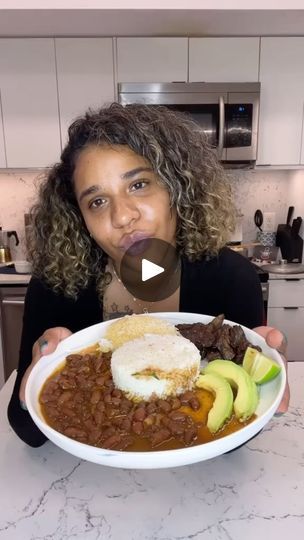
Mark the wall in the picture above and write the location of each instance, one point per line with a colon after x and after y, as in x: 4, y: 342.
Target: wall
x: 268, y: 190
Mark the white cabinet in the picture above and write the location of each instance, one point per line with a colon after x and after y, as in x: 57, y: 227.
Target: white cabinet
x: 85, y: 77
x: 2, y: 147
x: 224, y: 59
x: 286, y: 312
x: 282, y: 100
x: 29, y: 102
x: 152, y: 59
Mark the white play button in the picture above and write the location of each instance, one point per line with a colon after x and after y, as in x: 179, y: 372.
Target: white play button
x: 150, y: 269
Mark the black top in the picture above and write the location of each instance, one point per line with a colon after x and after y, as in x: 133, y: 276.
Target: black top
x: 225, y: 284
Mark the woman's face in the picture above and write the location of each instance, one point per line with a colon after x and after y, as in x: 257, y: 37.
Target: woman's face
x: 121, y: 199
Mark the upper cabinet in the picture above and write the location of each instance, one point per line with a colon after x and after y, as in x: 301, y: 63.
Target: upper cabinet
x: 282, y: 100
x: 29, y: 102
x: 223, y: 59
x: 152, y: 59
x: 85, y: 77
x: 2, y: 147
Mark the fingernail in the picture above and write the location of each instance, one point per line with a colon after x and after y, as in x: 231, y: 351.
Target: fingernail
x: 43, y: 344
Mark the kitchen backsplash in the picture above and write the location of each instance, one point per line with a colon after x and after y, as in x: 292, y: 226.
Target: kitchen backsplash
x: 271, y: 191
x: 260, y: 189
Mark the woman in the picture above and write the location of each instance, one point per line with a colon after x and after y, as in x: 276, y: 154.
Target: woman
x: 126, y: 174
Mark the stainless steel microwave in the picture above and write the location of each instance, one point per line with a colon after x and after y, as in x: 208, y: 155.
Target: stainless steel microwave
x: 227, y: 112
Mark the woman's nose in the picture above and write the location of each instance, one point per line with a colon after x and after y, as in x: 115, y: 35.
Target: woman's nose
x: 123, y: 213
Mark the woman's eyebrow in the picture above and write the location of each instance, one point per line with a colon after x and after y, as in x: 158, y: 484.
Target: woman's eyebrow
x: 133, y: 172
x: 125, y: 176
x: 89, y: 191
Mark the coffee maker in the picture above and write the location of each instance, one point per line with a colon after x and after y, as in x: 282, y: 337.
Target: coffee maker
x: 5, y: 252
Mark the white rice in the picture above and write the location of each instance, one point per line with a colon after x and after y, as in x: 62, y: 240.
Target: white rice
x: 155, y: 366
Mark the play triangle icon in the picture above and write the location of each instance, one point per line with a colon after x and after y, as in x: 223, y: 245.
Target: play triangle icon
x: 150, y: 269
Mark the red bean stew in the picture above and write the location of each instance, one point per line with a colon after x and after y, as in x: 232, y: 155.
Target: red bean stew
x: 80, y: 401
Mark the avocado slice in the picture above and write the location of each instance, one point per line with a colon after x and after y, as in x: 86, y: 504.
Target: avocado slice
x: 222, y: 407
x: 247, y: 397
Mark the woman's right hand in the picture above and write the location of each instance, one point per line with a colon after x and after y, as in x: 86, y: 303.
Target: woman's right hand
x: 46, y: 344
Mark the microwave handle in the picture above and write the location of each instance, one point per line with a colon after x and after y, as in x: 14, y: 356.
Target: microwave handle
x: 221, y: 126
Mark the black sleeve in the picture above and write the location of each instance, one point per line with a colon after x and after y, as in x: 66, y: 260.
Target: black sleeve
x: 243, y: 293
x: 45, y: 309
x: 38, y: 316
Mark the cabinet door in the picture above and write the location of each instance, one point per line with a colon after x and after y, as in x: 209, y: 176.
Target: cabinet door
x: 152, y: 59
x: 282, y: 99
x: 224, y: 59
x: 29, y: 102
x: 85, y: 76
x: 286, y: 292
x: 291, y: 322
x: 2, y: 147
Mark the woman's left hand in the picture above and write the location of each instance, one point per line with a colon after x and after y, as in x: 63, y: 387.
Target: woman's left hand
x: 277, y: 340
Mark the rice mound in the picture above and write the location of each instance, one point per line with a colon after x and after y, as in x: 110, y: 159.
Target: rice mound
x: 134, y: 326
x: 155, y: 366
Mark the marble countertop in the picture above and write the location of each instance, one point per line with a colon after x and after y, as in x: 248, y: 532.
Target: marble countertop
x: 255, y: 492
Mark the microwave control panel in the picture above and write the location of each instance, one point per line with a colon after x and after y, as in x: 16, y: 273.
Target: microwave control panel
x: 238, y: 125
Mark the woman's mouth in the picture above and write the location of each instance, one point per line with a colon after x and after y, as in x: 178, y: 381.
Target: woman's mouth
x: 136, y: 243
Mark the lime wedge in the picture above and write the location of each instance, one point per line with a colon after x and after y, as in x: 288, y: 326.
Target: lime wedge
x: 261, y: 368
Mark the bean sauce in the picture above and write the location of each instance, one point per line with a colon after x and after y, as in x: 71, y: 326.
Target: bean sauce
x: 80, y: 401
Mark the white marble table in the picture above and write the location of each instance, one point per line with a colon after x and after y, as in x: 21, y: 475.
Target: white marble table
x: 254, y: 493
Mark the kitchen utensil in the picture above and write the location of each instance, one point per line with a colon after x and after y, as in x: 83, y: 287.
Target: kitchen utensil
x: 283, y: 227
x: 270, y: 395
x: 258, y: 219
x: 296, y: 225
x: 5, y: 252
x: 288, y: 239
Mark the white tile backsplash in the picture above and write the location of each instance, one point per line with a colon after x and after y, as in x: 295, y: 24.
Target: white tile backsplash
x: 266, y: 190
x: 271, y: 191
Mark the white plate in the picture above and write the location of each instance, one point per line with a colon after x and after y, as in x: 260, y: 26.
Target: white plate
x: 270, y: 397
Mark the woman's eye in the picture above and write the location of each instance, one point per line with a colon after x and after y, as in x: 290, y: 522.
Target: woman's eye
x: 139, y: 185
x: 97, y: 203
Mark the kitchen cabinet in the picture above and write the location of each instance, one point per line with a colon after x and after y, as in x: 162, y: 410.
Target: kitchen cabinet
x: 286, y: 312
x: 152, y: 59
x: 29, y: 102
x: 85, y: 77
x: 224, y: 59
x: 282, y: 100
x: 2, y: 147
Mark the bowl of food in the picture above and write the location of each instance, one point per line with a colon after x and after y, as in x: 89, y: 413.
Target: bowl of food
x: 156, y: 391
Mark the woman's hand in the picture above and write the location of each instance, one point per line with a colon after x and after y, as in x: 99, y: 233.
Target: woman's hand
x: 46, y: 344
x: 277, y: 340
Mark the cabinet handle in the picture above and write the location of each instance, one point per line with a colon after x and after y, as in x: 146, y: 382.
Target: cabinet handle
x: 221, y: 126
x: 16, y: 302
x: 290, y: 307
x: 292, y: 279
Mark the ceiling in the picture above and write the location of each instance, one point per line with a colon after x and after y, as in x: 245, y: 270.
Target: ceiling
x: 155, y: 22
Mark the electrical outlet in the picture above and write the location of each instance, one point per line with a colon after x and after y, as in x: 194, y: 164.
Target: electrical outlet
x: 269, y: 222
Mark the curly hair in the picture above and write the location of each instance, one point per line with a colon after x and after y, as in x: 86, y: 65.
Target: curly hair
x: 62, y: 251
